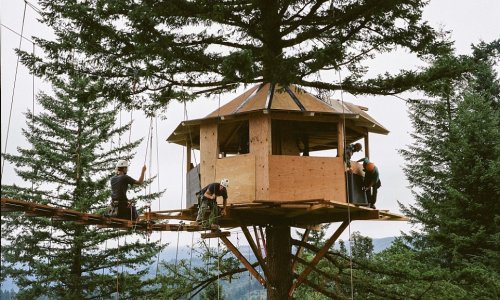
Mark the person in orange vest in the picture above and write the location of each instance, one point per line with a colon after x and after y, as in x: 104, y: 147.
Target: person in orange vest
x: 371, y: 181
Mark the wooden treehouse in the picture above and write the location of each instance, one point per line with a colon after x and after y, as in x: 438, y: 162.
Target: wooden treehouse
x: 282, y: 150
x: 266, y: 142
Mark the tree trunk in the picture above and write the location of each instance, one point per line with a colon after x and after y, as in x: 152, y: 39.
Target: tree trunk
x: 279, y: 249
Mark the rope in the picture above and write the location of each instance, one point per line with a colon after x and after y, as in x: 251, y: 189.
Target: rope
x: 13, y: 93
x: 117, y: 269
x: 218, y: 268
x: 347, y: 187
x: 33, y: 116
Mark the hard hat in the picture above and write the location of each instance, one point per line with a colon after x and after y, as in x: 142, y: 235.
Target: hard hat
x: 224, y: 182
x: 122, y: 164
x: 370, y: 167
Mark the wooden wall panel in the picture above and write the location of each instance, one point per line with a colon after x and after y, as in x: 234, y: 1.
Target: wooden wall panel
x: 209, y: 151
x: 240, y: 170
x: 302, y: 178
x: 260, y: 147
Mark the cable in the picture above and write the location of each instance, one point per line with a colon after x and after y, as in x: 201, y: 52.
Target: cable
x: 13, y: 92
x: 18, y: 34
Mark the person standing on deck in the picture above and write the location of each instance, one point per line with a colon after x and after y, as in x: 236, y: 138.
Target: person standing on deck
x: 119, y: 186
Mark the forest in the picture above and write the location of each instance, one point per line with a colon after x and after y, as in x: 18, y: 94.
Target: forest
x: 108, y: 56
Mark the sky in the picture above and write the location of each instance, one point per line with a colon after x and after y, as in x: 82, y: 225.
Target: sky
x: 468, y: 21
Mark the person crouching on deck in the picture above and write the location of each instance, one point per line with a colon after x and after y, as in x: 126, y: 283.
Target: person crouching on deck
x: 208, y: 202
x: 119, y: 186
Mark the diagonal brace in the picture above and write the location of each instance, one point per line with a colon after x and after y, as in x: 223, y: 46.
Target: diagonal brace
x: 243, y: 260
x: 319, y: 256
x: 257, y: 253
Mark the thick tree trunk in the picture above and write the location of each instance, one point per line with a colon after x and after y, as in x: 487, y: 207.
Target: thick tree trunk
x: 279, y: 247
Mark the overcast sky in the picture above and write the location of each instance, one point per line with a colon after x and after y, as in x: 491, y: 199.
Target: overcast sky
x: 469, y: 21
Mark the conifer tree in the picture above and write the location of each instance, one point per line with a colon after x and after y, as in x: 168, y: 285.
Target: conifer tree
x: 453, y: 167
x: 69, y: 164
x: 170, y: 48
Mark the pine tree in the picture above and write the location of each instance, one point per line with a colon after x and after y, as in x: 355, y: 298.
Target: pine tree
x: 69, y: 165
x: 170, y: 47
x: 453, y: 169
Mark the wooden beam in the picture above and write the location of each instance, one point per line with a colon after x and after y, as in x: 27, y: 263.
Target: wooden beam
x: 340, y: 138
x: 367, y: 144
x: 188, y: 157
x: 256, y: 251
x: 263, y: 239
x: 215, y: 234
x: 318, y: 256
x: 300, y: 249
x: 243, y: 260
x: 258, y: 239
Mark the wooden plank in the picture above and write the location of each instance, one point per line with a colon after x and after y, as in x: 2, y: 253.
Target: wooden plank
x: 298, y: 254
x: 240, y: 170
x: 318, y: 256
x: 340, y: 138
x: 232, y: 105
x: 256, y: 252
x: 295, y: 178
x: 243, y: 260
x: 209, y: 151
x: 211, y: 235
x: 310, y: 102
x: 258, y: 101
x: 260, y: 148
x: 282, y: 100
x: 367, y: 144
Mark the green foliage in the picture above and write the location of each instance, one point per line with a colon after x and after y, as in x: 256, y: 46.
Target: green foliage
x: 184, y: 279
x: 453, y: 170
x: 69, y: 165
x: 178, y: 49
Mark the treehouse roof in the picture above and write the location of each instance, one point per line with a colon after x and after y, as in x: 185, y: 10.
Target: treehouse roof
x: 274, y: 99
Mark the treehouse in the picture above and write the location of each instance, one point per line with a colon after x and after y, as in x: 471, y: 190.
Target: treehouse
x: 282, y: 150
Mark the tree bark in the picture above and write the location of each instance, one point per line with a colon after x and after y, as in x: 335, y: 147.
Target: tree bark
x: 279, y: 249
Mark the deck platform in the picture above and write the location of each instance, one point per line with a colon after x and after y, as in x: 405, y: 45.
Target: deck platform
x: 291, y: 213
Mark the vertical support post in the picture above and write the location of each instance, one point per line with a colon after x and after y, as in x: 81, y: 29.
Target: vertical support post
x: 260, y: 147
x: 209, y: 152
x: 367, y: 145
x: 340, y: 138
x: 188, y: 156
x: 318, y: 256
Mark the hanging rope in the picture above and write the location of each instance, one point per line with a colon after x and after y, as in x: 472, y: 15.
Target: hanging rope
x: 13, y: 93
x: 347, y: 186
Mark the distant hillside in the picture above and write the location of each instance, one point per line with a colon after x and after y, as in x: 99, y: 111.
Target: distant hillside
x: 239, y: 288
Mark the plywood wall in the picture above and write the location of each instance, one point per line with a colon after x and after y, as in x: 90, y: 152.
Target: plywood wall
x: 302, y: 178
x: 209, y: 151
x: 240, y: 170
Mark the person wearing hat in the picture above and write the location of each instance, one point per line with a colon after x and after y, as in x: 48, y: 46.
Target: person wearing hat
x: 371, y: 181
x: 119, y: 186
x: 208, y: 202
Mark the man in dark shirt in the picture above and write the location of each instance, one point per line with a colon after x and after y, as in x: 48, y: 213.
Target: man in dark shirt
x: 119, y: 187
x: 208, y: 202
x: 371, y: 182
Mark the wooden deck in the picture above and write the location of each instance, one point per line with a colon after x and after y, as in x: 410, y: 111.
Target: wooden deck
x: 292, y: 213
